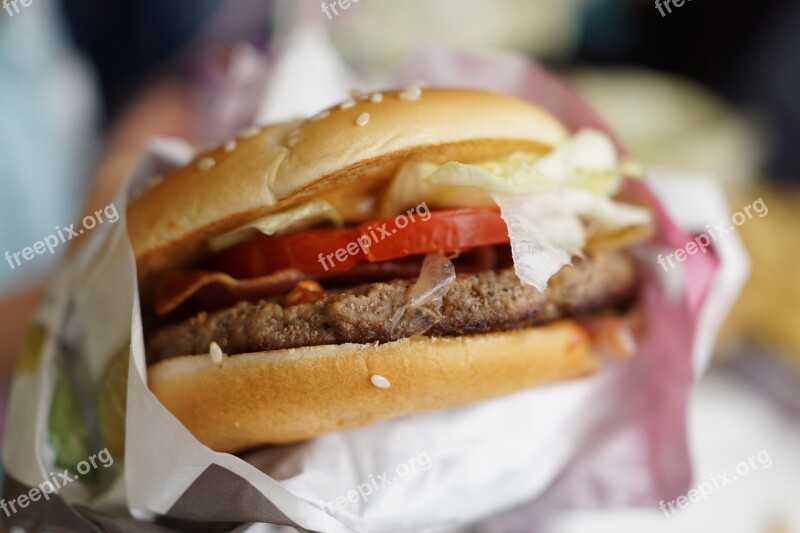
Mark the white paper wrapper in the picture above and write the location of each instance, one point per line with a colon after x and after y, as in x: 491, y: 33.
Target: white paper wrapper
x: 617, y: 437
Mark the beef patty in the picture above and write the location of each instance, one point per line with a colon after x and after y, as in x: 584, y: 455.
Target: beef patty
x: 476, y: 303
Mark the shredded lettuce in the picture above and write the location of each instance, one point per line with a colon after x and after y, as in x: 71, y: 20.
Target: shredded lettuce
x: 548, y: 229
x: 522, y: 180
x: 543, y: 236
x: 552, y: 204
x: 587, y: 160
x: 313, y: 211
x: 409, y: 188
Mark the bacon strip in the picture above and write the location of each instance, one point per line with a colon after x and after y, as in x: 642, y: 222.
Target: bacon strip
x: 215, y: 289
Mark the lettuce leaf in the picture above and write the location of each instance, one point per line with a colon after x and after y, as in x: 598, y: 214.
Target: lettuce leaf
x: 587, y: 160
x: 553, y: 204
x: 548, y: 229
x: 309, y: 212
x: 409, y: 188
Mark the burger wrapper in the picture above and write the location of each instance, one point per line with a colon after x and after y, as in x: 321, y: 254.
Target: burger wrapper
x: 615, y: 438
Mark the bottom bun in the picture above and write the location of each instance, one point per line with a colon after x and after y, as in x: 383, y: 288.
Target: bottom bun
x: 290, y: 395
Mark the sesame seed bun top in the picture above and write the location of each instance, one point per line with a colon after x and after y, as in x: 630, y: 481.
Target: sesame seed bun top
x: 358, y: 143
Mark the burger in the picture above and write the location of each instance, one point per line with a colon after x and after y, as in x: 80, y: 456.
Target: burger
x: 405, y: 251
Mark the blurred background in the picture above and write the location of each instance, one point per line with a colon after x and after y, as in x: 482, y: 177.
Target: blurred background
x: 710, y: 87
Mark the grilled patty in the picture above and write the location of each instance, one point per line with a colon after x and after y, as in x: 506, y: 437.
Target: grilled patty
x: 476, y: 303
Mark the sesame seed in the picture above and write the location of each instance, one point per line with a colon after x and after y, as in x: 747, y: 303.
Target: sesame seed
x: 293, y: 137
x: 206, y: 163
x: 230, y: 145
x: 358, y: 95
x: 216, y: 353
x: 380, y: 382
x: 363, y: 119
x: 376, y: 98
x: 322, y: 114
x: 249, y: 132
x: 411, y: 93
x: 348, y: 104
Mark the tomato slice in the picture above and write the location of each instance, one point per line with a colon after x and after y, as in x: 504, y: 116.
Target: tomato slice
x: 380, y: 240
x: 445, y: 231
x: 265, y: 254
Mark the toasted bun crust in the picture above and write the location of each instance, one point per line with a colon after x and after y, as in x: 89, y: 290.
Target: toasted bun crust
x: 276, y: 166
x: 290, y: 395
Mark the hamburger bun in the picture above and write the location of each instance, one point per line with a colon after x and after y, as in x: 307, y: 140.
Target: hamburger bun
x: 285, y: 396
x: 271, y: 168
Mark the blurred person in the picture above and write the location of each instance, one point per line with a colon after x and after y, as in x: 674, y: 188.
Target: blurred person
x: 68, y: 106
x: 88, y: 66
x: 151, y: 61
x: 56, y: 98
x: 47, y: 138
